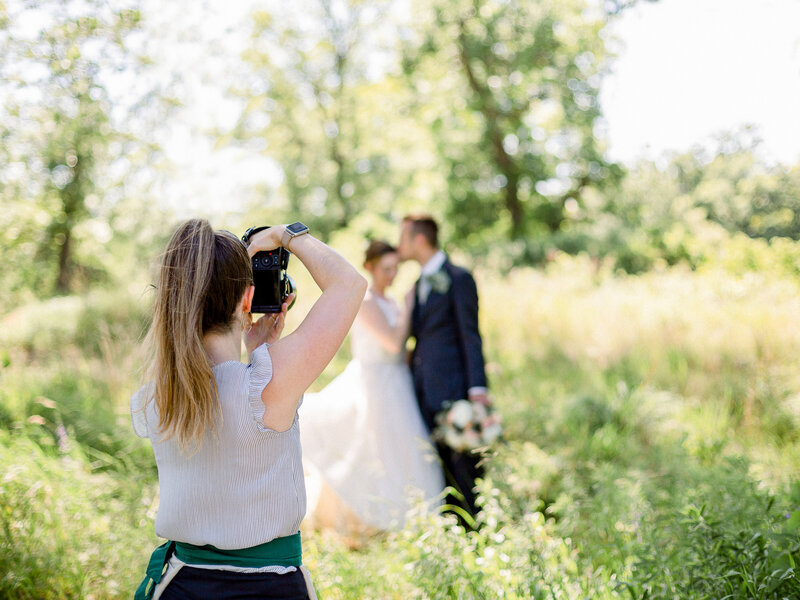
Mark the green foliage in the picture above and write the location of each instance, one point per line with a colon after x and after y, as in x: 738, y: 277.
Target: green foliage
x: 668, y: 521
x: 652, y: 435
x: 67, y: 143
x: 716, y: 554
x: 65, y: 532
x: 512, y: 88
x: 83, y: 397
x: 79, y: 492
x: 491, y: 127
x: 698, y: 209
x: 315, y: 106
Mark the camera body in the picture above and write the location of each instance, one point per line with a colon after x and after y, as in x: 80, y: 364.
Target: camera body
x: 273, y: 285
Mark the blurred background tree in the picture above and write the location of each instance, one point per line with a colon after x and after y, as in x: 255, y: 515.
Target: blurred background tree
x: 490, y: 124
x: 68, y: 149
x: 677, y: 209
x: 323, y: 102
x: 513, y: 87
x: 484, y: 113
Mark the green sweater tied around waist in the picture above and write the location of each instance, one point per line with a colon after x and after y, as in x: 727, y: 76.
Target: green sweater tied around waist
x: 281, y: 552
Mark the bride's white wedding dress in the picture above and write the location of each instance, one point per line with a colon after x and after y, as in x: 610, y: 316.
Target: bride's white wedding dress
x: 366, y: 451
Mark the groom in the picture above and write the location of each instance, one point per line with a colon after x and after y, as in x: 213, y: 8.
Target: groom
x: 447, y: 361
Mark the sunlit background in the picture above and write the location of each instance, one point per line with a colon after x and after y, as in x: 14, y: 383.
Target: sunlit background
x: 686, y: 73
x: 622, y: 177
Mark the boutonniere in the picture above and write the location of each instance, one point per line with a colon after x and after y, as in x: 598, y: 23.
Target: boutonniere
x: 439, y: 281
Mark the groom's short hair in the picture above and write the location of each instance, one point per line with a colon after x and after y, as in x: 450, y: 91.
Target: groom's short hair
x: 424, y: 225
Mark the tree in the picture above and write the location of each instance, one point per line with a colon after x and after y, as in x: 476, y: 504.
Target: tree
x: 677, y: 212
x: 316, y: 95
x: 513, y: 86
x: 62, y: 133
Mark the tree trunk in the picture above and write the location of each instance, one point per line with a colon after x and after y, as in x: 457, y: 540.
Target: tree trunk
x: 514, y: 205
x: 64, y: 280
x: 502, y: 161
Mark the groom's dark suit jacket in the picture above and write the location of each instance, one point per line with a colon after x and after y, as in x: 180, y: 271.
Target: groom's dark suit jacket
x: 448, y: 358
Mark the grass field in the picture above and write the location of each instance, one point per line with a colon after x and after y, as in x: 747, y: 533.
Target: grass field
x: 652, y: 437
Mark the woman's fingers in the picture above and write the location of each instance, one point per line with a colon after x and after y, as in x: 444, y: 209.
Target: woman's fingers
x: 264, y: 240
x: 278, y: 321
x: 273, y: 334
x: 269, y: 327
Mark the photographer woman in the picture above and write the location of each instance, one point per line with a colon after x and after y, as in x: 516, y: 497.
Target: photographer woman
x: 225, y: 434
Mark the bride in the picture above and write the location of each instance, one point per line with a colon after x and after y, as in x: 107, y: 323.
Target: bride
x: 366, y: 452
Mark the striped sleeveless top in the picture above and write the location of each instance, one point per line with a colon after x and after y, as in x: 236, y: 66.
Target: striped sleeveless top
x: 243, y: 487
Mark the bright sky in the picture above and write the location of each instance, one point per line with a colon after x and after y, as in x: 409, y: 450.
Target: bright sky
x: 692, y: 68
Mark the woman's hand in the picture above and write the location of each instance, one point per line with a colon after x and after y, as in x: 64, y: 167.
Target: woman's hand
x: 268, y: 329
x: 265, y: 240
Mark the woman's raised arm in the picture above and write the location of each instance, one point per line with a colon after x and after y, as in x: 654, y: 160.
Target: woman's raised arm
x: 299, y: 358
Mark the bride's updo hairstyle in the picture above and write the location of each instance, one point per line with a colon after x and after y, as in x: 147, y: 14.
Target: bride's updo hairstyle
x: 376, y: 250
x: 203, y: 276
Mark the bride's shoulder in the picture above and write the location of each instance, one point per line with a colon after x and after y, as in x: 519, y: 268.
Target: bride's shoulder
x: 370, y: 301
x: 376, y: 307
x: 372, y: 297
x: 378, y: 300
x: 369, y: 304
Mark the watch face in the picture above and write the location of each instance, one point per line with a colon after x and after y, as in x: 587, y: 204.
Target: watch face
x: 296, y: 228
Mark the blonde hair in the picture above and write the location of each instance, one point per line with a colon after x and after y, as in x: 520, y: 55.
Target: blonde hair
x: 203, y: 276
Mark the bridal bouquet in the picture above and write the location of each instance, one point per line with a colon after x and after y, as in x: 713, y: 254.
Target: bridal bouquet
x: 463, y: 425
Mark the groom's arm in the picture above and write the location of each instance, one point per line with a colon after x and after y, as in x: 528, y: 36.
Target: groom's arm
x: 465, y: 301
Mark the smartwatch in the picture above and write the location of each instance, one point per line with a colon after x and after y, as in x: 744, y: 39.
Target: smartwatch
x: 292, y: 231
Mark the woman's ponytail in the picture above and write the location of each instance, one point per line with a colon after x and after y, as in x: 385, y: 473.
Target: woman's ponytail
x: 198, y: 268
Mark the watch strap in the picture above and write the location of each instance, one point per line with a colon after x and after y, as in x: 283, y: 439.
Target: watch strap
x: 288, y: 236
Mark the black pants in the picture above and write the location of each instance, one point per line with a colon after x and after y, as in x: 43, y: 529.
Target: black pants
x: 192, y: 583
x: 461, y: 470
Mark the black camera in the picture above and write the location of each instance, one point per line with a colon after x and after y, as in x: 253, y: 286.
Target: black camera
x: 273, y: 284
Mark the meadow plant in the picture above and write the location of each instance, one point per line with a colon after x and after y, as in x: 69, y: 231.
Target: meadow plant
x: 68, y: 532
x: 652, y: 433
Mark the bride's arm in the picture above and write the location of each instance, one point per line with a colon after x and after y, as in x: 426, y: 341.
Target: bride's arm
x: 392, y: 339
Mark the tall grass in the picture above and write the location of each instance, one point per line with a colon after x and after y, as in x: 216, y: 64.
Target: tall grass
x: 726, y: 345
x: 652, y: 437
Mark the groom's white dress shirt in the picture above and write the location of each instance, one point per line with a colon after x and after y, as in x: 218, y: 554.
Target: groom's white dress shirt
x: 435, y: 263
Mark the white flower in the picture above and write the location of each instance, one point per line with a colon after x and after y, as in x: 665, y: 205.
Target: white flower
x: 460, y: 413
x: 453, y: 439
x: 472, y: 439
x: 491, y: 433
x: 479, y: 412
x: 489, y: 420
